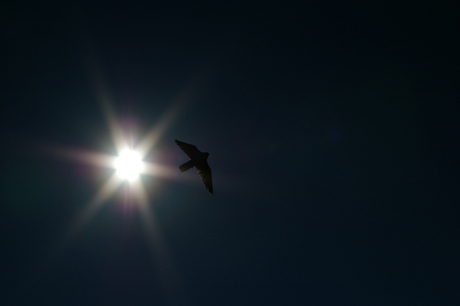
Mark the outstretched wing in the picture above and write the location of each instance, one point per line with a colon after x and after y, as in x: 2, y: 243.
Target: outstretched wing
x: 190, y: 150
x: 206, y: 176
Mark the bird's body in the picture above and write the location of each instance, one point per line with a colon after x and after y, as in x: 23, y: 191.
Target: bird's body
x: 198, y: 160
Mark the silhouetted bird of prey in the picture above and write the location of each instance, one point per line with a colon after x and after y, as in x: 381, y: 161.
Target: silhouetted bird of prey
x: 197, y: 160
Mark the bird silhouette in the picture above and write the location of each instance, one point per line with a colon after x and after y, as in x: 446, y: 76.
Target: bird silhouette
x: 198, y: 160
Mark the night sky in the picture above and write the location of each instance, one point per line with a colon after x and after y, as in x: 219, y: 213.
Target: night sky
x: 332, y: 129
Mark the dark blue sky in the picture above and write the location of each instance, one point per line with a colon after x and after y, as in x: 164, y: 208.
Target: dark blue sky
x: 331, y: 129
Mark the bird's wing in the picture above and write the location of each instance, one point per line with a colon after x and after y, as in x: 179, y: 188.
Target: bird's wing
x: 206, y: 176
x: 190, y: 150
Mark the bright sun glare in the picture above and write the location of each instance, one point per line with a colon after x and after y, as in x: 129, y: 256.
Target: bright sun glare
x: 129, y: 164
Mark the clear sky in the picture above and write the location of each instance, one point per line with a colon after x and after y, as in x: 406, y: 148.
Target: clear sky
x: 331, y: 133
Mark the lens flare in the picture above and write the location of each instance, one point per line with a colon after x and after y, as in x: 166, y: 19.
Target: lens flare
x: 133, y: 159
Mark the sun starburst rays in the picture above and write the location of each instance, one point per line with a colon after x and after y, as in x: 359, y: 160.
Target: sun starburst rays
x: 124, y: 188
x: 128, y: 166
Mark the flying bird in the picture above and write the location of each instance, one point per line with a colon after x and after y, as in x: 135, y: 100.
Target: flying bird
x: 197, y: 160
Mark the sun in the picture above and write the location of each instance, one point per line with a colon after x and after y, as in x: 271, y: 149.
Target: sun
x: 129, y: 165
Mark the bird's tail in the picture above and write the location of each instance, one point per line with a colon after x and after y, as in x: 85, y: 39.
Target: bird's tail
x: 186, y: 166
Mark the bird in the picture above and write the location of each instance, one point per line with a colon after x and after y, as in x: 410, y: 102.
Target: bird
x: 198, y: 160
